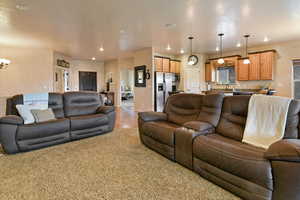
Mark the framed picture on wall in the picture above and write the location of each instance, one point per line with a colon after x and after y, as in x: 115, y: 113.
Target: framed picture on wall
x: 140, y: 76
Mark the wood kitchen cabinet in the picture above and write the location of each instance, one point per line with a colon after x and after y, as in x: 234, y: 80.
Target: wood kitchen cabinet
x: 173, y: 65
x: 166, y: 65
x: 242, y: 71
x: 254, y: 67
x: 178, y: 67
x: 260, y: 67
x: 208, y: 72
x: 266, y: 65
x: 158, y: 64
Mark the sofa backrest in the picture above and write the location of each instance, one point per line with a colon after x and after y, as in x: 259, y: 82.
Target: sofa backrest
x: 55, y: 102
x: 234, y: 115
x: 81, y: 103
x: 181, y: 108
x: 233, y: 118
x: 211, y: 108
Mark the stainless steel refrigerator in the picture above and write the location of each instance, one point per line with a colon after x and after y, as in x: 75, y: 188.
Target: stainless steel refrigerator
x: 164, y: 83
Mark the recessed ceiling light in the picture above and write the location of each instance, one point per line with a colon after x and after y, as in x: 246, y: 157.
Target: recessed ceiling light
x: 170, y: 25
x: 101, y: 49
x: 182, y: 51
x: 93, y: 58
x: 238, y: 45
x: 266, y: 39
x: 168, y: 48
x: 217, y: 49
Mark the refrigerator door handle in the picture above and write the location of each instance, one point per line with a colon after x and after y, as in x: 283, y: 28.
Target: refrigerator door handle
x: 165, y: 90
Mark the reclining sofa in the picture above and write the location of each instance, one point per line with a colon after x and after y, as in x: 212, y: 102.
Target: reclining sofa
x: 78, y: 115
x: 193, y: 132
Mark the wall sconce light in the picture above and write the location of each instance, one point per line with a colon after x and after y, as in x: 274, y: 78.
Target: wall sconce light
x: 4, y: 63
x: 148, y: 75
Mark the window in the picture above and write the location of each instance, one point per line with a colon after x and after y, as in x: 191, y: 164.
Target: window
x: 225, y: 75
x: 296, y: 77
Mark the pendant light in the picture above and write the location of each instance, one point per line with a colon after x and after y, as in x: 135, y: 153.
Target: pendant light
x: 246, y: 59
x: 193, y: 59
x: 221, y: 60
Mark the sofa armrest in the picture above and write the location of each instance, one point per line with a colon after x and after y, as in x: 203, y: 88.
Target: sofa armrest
x: 152, y: 116
x: 106, y: 109
x: 284, y: 150
x: 198, y: 126
x: 11, y: 119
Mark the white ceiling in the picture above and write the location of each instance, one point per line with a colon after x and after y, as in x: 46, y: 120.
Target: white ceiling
x: 79, y: 27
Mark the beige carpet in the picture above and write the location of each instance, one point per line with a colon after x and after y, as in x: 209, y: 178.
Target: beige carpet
x: 112, y: 166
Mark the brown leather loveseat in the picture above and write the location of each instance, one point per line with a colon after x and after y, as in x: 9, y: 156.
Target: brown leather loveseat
x: 220, y: 156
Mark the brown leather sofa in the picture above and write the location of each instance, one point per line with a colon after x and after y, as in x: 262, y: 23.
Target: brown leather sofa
x: 78, y: 115
x: 220, y: 156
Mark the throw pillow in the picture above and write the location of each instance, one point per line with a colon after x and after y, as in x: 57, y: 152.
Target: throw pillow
x: 43, y: 115
x: 25, y: 111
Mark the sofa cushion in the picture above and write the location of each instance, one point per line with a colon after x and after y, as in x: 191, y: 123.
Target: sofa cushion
x: 181, y: 108
x: 233, y: 117
x: 56, y: 102
x: 239, y: 159
x: 292, y: 122
x: 43, y: 129
x: 88, y: 121
x: 81, y: 103
x: 161, y: 131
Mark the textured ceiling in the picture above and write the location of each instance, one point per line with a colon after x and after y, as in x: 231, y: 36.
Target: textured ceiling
x: 80, y: 27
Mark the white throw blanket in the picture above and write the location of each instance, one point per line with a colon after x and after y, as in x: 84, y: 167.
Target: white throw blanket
x: 36, y: 99
x: 266, y: 120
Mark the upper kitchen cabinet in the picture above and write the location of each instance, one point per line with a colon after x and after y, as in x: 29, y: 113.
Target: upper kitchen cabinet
x: 254, y: 67
x: 243, y: 71
x: 267, y: 60
x: 158, y: 61
x: 208, y: 72
x: 260, y: 68
x: 166, y: 65
x: 178, y: 67
x: 173, y: 65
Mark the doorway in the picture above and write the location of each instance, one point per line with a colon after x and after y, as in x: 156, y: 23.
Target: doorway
x: 62, y: 80
x: 127, y: 88
x: 87, y: 81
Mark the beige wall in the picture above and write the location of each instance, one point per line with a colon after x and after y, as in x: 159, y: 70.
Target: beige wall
x: 144, y: 97
x: 30, y: 71
x: 282, y: 82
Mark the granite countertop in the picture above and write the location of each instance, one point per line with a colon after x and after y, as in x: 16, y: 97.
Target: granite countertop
x: 254, y: 91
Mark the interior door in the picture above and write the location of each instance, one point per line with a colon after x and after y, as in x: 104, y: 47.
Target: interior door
x: 88, y: 81
x: 192, y: 80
